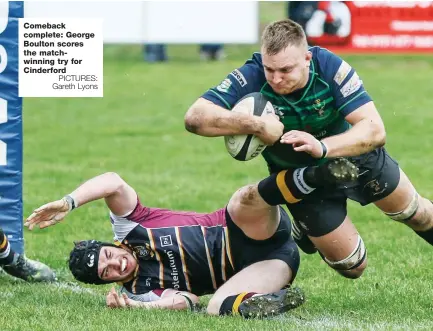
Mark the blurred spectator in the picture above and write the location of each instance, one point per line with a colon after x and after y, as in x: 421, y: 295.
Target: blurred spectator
x: 212, y: 52
x: 301, y: 11
x: 158, y: 52
x: 155, y: 53
x: 324, y: 22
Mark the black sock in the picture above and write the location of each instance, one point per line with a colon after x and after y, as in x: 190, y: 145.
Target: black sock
x: 318, y: 176
x: 7, y: 255
x: 426, y: 235
x: 230, y: 305
x: 311, y: 177
x: 287, y: 186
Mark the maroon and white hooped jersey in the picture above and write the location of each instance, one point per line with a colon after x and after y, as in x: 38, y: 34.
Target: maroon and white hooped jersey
x: 185, y: 251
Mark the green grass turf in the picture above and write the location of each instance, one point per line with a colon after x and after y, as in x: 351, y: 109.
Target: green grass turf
x: 137, y: 130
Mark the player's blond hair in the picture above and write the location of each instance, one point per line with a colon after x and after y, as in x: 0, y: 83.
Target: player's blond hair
x: 280, y: 34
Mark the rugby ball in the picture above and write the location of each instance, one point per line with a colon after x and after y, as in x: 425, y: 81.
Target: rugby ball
x: 247, y: 147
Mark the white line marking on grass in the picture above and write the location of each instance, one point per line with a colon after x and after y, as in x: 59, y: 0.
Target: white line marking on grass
x: 73, y: 288
x: 4, y: 295
x: 335, y: 323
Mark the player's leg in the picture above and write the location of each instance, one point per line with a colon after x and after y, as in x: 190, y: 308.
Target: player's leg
x: 385, y: 184
x: 261, y: 267
x: 7, y: 255
x: 19, y: 266
x: 252, y: 214
x: 323, y: 220
x: 331, y: 231
x: 405, y: 205
x: 292, y: 185
x: 343, y: 250
x: 254, y: 282
x: 250, y: 207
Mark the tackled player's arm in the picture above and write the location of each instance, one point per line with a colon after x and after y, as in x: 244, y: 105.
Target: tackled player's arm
x: 119, y: 197
x: 179, y: 300
x: 170, y: 299
x: 366, y: 134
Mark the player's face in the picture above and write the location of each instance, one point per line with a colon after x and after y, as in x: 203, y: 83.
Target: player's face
x: 288, y: 70
x: 115, y: 264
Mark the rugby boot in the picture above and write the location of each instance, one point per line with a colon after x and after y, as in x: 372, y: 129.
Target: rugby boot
x: 340, y: 170
x: 335, y: 171
x: 268, y: 305
x: 30, y: 270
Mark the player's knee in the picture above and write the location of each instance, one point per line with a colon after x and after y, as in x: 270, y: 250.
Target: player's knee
x: 353, y: 265
x: 245, y: 196
x: 213, y: 307
x: 418, y: 214
x: 113, y: 175
x: 354, y: 273
x: 423, y: 218
x: 248, y: 195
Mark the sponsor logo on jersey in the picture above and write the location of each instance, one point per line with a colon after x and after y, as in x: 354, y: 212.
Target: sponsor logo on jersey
x: 279, y: 111
x: 144, y: 251
x: 375, y: 186
x: 174, y: 271
x: 224, y: 86
x: 166, y: 240
x: 239, y: 77
x: 319, y: 107
x: 342, y: 72
x: 353, y: 85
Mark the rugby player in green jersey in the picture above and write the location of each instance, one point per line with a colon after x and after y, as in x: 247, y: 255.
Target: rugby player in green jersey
x: 323, y: 112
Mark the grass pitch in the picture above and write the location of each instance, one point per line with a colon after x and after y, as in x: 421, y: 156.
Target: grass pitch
x: 137, y: 130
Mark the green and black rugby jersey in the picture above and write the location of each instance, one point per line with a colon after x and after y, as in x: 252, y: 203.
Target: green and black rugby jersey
x: 333, y: 91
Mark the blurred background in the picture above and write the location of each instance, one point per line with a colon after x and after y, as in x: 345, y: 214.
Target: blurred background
x: 159, y: 57
x: 342, y: 26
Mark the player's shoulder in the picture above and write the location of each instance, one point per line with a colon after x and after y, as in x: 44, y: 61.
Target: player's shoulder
x: 250, y: 76
x: 252, y: 68
x: 256, y: 61
x: 323, y: 55
x: 328, y: 64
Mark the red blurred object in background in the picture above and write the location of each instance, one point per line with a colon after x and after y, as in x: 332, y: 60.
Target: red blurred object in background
x: 365, y: 26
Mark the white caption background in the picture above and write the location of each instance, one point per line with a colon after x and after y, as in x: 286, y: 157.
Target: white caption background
x: 60, y: 57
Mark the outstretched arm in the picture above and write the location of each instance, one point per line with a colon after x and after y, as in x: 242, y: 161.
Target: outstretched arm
x: 119, y: 197
x: 172, y: 299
